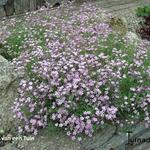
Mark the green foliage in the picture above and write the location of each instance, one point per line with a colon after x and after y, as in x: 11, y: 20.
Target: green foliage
x: 143, y: 11
x: 82, y: 107
x: 13, y: 45
x: 52, y: 129
x: 20, y: 35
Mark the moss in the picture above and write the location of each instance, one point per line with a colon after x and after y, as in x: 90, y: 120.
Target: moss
x: 119, y: 25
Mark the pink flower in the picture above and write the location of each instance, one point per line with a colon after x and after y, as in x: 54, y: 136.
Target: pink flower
x: 33, y: 121
x: 39, y: 123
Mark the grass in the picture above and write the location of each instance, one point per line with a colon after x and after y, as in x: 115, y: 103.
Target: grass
x: 19, y: 37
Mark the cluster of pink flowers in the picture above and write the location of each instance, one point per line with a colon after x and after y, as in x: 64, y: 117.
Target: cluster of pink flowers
x: 83, y: 76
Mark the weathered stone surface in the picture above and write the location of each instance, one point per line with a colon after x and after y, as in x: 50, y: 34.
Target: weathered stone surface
x: 110, y: 5
x: 3, y: 2
x: 7, y: 74
x: 21, y: 6
x: 7, y: 95
x: 9, y: 147
x: 144, y: 145
x: 53, y: 2
x: 46, y: 141
x: 26, y: 5
x: 2, y: 12
x: 98, y: 141
x: 9, y: 7
x: 32, y: 5
x: 119, y: 25
x: 106, y: 139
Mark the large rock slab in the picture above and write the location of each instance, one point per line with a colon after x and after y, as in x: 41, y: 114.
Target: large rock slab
x: 7, y: 75
x: 104, y: 139
x: 44, y: 141
x: 144, y: 145
x: 9, y: 147
x: 107, y: 140
x: 8, y: 92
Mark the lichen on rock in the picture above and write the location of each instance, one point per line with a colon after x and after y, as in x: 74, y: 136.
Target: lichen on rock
x: 119, y: 25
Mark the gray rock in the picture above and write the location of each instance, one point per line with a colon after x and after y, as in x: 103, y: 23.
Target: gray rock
x: 106, y: 139
x: 100, y: 139
x: 9, y: 147
x: 7, y: 74
x: 3, y: 2
x: 48, y: 141
x: 2, y: 12
x: 7, y: 95
x: 21, y: 6
x: 119, y: 25
x: 9, y: 7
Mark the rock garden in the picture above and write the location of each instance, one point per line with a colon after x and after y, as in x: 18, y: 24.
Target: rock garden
x: 75, y: 77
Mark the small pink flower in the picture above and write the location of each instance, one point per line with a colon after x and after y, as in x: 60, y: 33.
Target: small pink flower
x: 33, y: 121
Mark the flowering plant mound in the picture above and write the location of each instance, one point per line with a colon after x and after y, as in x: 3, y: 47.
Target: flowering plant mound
x: 83, y: 77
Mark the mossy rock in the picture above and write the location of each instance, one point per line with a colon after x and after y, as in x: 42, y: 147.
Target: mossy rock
x: 7, y: 95
x: 119, y: 25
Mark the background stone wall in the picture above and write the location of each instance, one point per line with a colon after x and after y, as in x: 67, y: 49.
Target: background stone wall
x: 10, y: 7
